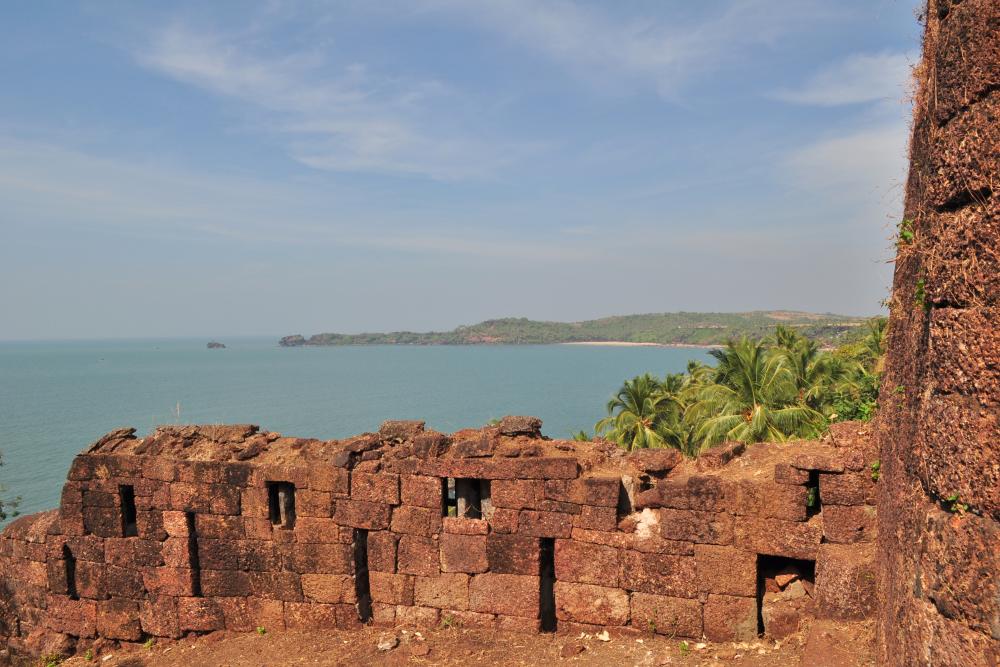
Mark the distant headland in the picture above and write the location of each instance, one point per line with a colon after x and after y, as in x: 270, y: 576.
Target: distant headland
x: 669, y: 329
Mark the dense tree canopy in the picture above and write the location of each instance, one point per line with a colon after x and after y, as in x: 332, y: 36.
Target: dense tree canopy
x: 772, y: 389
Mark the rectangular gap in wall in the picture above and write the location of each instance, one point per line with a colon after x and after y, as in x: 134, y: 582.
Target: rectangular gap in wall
x: 281, y: 504
x: 448, y: 502
x: 485, y: 499
x: 466, y: 498
x: 546, y: 585
x: 362, y: 586
x: 193, y: 560
x: 814, y: 504
x: 624, y: 507
x: 775, y: 576
x: 126, y: 494
x: 69, y: 561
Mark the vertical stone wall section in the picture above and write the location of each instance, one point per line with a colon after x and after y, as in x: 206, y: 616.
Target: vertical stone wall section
x: 939, y: 547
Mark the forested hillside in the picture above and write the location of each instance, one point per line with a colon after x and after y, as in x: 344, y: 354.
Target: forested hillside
x: 663, y: 328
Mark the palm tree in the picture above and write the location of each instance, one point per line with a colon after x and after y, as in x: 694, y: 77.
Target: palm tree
x: 874, y: 343
x: 642, y: 415
x: 696, y: 369
x: 698, y: 376
x: 786, y: 339
x: 856, y: 396
x: 817, y: 374
x: 681, y: 389
x: 754, y: 398
x: 673, y: 383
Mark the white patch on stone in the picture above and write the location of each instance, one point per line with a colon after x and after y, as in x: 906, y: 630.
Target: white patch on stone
x: 646, y: 524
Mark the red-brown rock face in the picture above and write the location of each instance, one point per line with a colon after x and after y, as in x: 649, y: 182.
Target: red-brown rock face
x: 939, y: 421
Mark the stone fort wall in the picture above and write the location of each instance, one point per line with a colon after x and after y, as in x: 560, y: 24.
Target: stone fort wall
x: 939, y: 414
x: 197, y: 529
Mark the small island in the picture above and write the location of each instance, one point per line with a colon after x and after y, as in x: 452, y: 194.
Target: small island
x: 215, y: 345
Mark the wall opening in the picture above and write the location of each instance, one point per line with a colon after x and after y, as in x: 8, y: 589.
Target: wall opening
x: 645, y: 483
x: 193, y: 560
x: 126, y: 494
x: 69, y: 561
x: 448, y: 502
x: 624, y: 507
x: 784, y: 591
x: 546, y: 586
x: 281, y: 504
x: 813, y: 502
x: 466, y: 498
x: 362, y: 586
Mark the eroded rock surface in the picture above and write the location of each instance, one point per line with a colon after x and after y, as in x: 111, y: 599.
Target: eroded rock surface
x: 939, y: 407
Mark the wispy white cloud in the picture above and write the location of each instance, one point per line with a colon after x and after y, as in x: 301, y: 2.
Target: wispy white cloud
x: 657, y: 52
x: 858, y: 163
x: 343, y: 116
x: 855, y: 182
x: 857, y: 79
x: 353, y: 120
x: 43, y: 184
x: 858, y: 171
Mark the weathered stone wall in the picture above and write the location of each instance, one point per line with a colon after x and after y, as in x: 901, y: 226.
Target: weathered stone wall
x: 638, y: 543
x: 939, y: 501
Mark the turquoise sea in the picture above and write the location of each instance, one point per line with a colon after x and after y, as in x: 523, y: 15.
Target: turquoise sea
x: 56, y: 398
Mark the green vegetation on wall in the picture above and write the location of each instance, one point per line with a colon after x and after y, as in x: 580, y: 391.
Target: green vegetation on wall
x: 771, y: 389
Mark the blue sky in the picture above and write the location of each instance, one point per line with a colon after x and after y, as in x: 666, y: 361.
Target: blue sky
x: 213, y: 169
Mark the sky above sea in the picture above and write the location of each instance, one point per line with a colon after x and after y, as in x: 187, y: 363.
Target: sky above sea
x: 267, y: 168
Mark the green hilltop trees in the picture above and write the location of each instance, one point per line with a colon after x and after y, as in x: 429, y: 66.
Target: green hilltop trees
x: 778, y: 388
x: 688, y: 328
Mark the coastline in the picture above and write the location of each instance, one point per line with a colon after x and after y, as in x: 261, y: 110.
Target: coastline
x: 624, y: 343
x: 617, y: 331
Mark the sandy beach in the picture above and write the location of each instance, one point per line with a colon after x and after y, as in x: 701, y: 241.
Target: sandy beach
x: 623, y: 343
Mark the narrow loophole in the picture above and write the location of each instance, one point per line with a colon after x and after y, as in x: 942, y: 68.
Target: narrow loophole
x: 127, y: 496
x: 449, y: 501
x: 69, y: 560
x: 624, y: 507
x: 814, y: 504
x: 193, y: 559
x: 362, y: 587
x: 546, y: 585
x: 281, y: 504
x: 466, y: 498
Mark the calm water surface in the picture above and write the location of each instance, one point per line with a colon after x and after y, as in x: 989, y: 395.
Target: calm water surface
x: 56, y: 398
